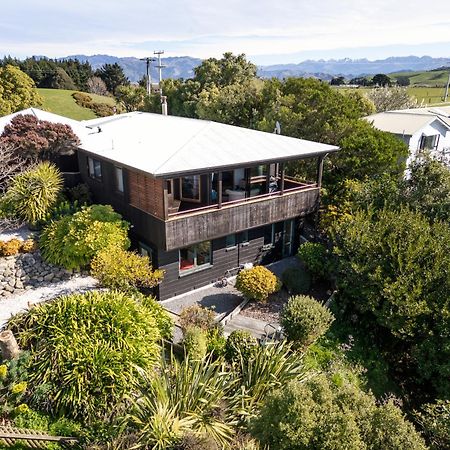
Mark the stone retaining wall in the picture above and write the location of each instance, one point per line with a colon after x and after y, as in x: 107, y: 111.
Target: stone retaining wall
x: 26, y: 271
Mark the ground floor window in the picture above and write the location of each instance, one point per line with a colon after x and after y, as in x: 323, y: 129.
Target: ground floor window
x: 195, y: 257
x: 145, y: 250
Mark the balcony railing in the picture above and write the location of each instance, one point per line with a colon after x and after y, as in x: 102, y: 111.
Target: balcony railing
x: 209, y: 222
x: 290, y: 185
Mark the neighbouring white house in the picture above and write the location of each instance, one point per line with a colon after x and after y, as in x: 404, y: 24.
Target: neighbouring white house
x: 420, y: 128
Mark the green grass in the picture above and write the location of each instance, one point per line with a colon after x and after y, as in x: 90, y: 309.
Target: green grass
x: 433, y: 78
x: 427, y: 95
x: 60, y: 101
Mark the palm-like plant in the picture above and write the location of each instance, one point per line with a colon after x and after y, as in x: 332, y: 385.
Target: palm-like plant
x: 269, y: 368
x: 34, y: 192
x: 185, y: 396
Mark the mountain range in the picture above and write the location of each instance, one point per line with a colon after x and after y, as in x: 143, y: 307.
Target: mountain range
x: 183, y: 66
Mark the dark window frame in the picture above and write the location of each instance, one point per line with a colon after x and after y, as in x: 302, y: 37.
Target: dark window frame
x: 116, y: 180
x: 94, y: 168
x: 195, y: 266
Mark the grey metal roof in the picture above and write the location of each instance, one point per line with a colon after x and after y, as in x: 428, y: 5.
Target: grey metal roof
x: 168, y: 145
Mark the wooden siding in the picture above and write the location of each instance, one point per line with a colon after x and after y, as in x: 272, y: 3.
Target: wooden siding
x: 207, y: 225
x: 146, y: 193
x: 222, y: 260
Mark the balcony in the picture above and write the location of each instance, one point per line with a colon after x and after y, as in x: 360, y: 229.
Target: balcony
x: 197, y: 224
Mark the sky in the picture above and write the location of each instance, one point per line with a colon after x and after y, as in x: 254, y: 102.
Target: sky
x: 267, y: 31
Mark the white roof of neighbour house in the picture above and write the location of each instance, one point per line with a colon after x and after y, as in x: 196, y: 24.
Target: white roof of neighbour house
x: 409, y: 121
x: 79, y: 129
x: 169, y: 145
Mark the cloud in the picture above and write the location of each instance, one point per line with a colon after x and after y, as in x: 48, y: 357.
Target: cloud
x: 208, y: 28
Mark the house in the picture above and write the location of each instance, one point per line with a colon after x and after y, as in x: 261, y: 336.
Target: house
x: 203, y: 198
x: 420, y: 128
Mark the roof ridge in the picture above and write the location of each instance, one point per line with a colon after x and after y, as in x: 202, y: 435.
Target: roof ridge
x: 207, y: 124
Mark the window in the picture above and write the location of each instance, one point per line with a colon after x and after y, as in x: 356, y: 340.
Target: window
x: 269, y: 235
x: 190, y: 188
x: 243, y: 238
x: 230, y: 241
x: 145, y: 250
x: 95, y: 168
x: 195, y: 257
x: 429, y: 142
x: 118, y: 178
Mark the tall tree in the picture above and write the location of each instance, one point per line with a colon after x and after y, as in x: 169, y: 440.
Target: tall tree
x: 381, y: 79
x: 131, y: 97
x: 113, y: 76
x: 17, y: 91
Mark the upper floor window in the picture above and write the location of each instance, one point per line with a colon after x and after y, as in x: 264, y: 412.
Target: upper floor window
x: 429, y: 142
x: 195, y: 257
x: 190, y: 188
x: 118, y: 178
x: 95, y: 168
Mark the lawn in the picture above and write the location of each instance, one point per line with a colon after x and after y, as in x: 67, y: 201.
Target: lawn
x: 429, y: 78
x: 60, y: 101
x: 427, y: 95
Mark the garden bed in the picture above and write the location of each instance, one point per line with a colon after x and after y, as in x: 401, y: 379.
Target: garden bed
x: 270, y: 311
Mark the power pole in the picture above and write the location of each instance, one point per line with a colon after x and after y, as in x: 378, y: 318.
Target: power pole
x: 160, y: 66
x: 148, y: 60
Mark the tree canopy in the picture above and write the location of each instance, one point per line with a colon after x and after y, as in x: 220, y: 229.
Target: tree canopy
x: 113, y: 76
x: 17, y: 91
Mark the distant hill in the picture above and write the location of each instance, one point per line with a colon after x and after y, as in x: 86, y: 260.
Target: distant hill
x: 183, y: 66
x: 134, y: 68
x: 425, y: 78
x: 355, y: 67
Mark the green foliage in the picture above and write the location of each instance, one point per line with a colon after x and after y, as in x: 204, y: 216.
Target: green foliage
x: 80, y: 194
x: 117, y: 268
x: 320, y: 414
x: 296, y: 280
x: 216, y: 341
x: 305, y: 320
x: 34, y: 192
x: 197, y: 316
x: 17, y: 91
x: 434, y: 418
x: 240, y: 343
x: 392, y: 269
x: 113, y: 76
x: 94, y: 342
x: 163, y: 320
x: 13, y: 386
x: 59, y: 79
x: 195, y: 343
x: 257, y: 283
x: 73, y: 241
x: 186, y: 397
x: 131, y: 97
x: 315, y: 258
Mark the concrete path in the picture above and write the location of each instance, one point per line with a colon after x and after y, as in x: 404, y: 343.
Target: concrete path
x: 18, y: 303
x: 257, y: 328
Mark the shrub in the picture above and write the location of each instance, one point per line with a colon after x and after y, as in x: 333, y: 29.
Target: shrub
x: 165, y: 323
x: 318, y: 415
x: 29, y: 246
x: 34, y: 192
x: 86, y: 349
x: 11, y: 247
x: 80, y: 194
x: 73, y: 241
x: 195, y: 343
x: 257, y: 283
x: 434, y: 419
x: 240, y: 343
x: 216, y: 341
x: 117, y: 268
x: 296, y: 280
x: 197, y: 316
x: 314, y: 256
x: 304, y: 320
x: 82, y: 99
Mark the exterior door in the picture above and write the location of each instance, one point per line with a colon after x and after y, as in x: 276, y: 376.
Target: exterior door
x: 288, y: 238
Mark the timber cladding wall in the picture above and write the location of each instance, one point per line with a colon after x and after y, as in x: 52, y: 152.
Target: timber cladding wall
x: 190, y: 229
x: 146, y: 193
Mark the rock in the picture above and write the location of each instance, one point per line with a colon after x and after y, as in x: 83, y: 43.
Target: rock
x: 49, y: 276
x: 12, y: 282
x: 9, y: 288
x: 19, y: 284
